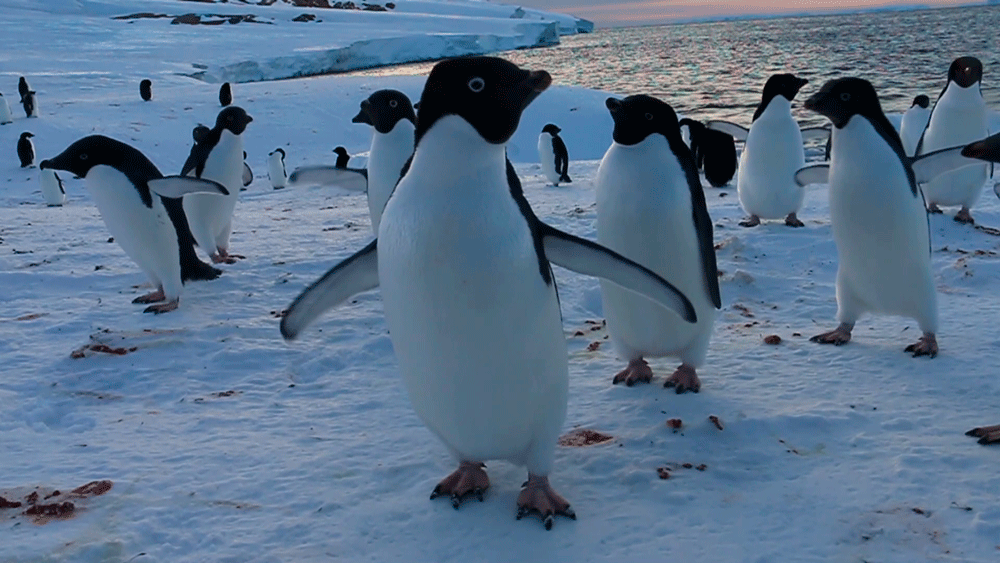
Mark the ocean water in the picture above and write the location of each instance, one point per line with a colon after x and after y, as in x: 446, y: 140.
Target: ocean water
x: 716, y: 70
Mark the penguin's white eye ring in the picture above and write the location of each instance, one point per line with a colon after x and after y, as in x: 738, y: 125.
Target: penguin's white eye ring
x: 393, y: 103
x: 477, y: 85
x: 649, y: 117
x: 845, y: 96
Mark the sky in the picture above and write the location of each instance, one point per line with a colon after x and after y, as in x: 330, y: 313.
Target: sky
x: 641, y: 12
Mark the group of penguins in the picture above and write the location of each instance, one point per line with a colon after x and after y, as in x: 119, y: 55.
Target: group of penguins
x: 463, y: 264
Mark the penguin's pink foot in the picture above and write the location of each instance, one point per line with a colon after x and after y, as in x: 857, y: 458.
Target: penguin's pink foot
x: 752, y: 221
x: 926, y: 346
x: 964, y: 217
x: 162, y: 307
x: 223, y: 257
x: 638, y: 371
x: 468, y: 479
x: 538, y: 497
x: 154, y: 297
x: 838, y: 337
x: 933, y: 208
x: 793, y: 221
x: 986, y: 434
x: 684, y: 379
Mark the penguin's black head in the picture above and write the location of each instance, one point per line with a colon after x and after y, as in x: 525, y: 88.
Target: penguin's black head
x: 384, y: 109
x: 200, y: 133
x: 89, y: 152
x: 488, y: 92
x: 987, y: 149
x: 27, y: 135
x: 341, y: 151
x: 551, y: 129
x: 787, y: 85
x: 922, y: 101
x: 637, y: 117
x: 280, y: 151
x: 843, y: 98
x: 233, y: 119
x: 695, y: 128
x: 965, y: 71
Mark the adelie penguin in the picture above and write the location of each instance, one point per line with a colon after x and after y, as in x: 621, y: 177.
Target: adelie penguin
x: 146, y: 90
x: 218, y: 156
x: 772, y: 153
x: 713, y: 151
x: 130, y: 194
x: 877, y: 213
x: 391, y: 115
x: 52, y: 187
x: 959, y: 117
x: 553, y: 156
x: 343, y: 157
x: 276, y: 168
x: 30, y: 104
x: 914, y: 122
x: 464, y: 269
x: 26, y: 150
x: 23, y: 87
x: 651, y: 208
x: 225, y: 94
x: 247, y: 173
x: 5, y: 116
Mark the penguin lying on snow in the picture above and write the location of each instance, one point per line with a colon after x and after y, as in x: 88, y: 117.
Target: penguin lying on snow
x: 772, y: 154
x: 873, y: 188
x: 464, y: 270
x: 713, y: 151
x: 123, y: 183
x: 553, y: 156
x: 26, y: 149
x: 959, y: 116
x: 914, y: 121
x: 651, y: 209
x: 391, y: 114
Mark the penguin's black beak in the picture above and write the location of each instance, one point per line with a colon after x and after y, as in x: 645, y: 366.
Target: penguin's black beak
x: 534, y: 84
x: 614, y: 105
x: 44, y: 164
x: 987, y: 149
x: 363, y: 116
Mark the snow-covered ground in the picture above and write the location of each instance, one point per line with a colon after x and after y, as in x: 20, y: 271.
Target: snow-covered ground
x: 224, y: 443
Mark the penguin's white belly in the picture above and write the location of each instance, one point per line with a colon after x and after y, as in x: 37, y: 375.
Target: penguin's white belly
x: 51, y: 191
x: 276, y: 171
x: 388, y: 155
x: 547, y: 158
x: 477, y: 332
x: 771, y: 156
x: 146, y: 235
x: 4, y: 111
x: 949, y: 127
x: 879, y: 226
x: 912, y: 127
x: 644, y: 213
x: 209, y: 215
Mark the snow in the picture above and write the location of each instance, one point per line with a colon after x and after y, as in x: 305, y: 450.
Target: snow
x: 224, y: 443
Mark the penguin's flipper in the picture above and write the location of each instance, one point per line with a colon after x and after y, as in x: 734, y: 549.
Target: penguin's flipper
x: 352, y: 276
x: 737, y: 131
x: 179, y: 186
x: 592, y: 259
x: 815, y: 174
x: 247, y: 175
x: 987, y: 149
x: 815, y: 134
x: 353, y: 179
x: 928, y: 166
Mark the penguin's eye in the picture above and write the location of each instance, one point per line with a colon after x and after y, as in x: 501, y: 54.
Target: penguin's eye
x: 649, y: 117
x: 477, y: 84
x: 393, y: 103
x: 83, y: 156
x: 845, y: 96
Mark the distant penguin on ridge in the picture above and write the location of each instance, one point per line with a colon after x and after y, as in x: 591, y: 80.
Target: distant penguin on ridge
x: 772, y: 153
x: 225, y: 94
x: 26, y: 150
x: 713, y: 151
x: 651, y: 209
x: 276, y: 168
x: 914, y: 122
x: 553, y: 156
x: 30, y: 104
x: 52, y: 187
x: 5, y: 116
x: 146, y: 89
x: 343, y: 157
x: 959, y: 116
x: 130, y: 193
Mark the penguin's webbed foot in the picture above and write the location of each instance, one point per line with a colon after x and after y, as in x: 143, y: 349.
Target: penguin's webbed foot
x: 751, y: 221
x: 793, y: 221
x: 223, y: 257
x: 986, y: 434
x: 933, y: 208
x: 638, y: 371
x: 538, y: 497
x: 162, y: 307
x: 964, y: 217
x: 154, y: 297
x: 565, y: 179
x: 926, y: 346
x: 684, y: 379
x: 838, y: 336
x: 469, y: 479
